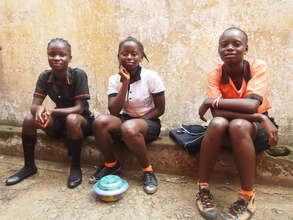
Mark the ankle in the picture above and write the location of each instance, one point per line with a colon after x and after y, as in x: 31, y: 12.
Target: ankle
x: 203, y: 185
x: 147, y: 169
x: 30, y: 166
x: 110, y: 164
x: 246, y: 194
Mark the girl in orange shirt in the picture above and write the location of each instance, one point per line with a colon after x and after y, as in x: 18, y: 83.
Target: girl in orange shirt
x: 238, y: 101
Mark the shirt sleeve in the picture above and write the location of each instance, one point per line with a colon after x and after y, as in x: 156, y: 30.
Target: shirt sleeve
x: 41, y: 85
x: 258, y: 82
x: 81, y: 89
x: 214, y: 80
x: 113, y: 85
x: 156, y: 85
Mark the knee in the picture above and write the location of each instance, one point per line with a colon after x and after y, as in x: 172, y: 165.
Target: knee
x: 29, y: 120
x: 219, y: 123
x: 239, y: 128
x: 101, y: 122
x: 129, y: 130
x: 72, y: 121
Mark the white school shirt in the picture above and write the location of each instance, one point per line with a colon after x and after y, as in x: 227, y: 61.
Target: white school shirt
x: 139, y: 97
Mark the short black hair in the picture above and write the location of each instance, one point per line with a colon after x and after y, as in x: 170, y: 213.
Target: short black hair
x: 139, y: 44
x: 58, y: 40
x: 239, y: 29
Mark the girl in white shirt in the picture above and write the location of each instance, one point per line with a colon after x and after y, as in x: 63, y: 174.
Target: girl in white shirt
x: 136, y: 100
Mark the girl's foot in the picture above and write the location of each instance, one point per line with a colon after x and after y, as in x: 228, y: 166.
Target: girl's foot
x: 75, y: 177
x: 205, y: 203
x: 242, y: 209
x: 23, y: 173
x: 150, y: 183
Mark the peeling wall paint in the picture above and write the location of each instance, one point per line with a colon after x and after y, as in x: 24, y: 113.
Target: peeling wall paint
x: 180, y: 39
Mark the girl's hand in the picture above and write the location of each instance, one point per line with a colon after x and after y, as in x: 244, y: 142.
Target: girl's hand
x: 42, y: 116
x: 124, y: 73
x: 47, y: 117
x: 203, y: 109
x: 271, y: 130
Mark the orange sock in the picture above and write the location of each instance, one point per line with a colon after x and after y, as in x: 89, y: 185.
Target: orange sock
x: 247, y: 193
x: 149, y: 169
x: 112, y: 164
x: 203, y: 185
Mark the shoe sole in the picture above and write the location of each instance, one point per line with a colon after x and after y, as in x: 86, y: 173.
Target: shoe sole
x: 93, y: 180
x: 206, y: 216
x: 150, y: 192
x: 224, y: 214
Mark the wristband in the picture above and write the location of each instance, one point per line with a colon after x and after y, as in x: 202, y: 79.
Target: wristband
x: 215, y: 103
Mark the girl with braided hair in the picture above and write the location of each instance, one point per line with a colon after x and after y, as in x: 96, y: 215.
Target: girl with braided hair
x: 71, y: 118
x: 136, y: 100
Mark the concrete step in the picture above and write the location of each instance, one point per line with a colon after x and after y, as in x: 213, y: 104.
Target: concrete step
x: 166, y: 156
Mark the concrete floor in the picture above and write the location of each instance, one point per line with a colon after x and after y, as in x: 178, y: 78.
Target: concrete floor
x: 45, y: 196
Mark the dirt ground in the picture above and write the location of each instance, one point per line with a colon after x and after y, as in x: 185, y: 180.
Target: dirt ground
x: 45, y: 196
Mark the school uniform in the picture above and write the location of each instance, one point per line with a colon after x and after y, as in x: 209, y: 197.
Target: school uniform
x: 253, y: 86
x: 76, y: 87
x: 139, y: 98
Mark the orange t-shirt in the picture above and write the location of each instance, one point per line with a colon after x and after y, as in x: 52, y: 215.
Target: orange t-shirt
x: 256, y: 85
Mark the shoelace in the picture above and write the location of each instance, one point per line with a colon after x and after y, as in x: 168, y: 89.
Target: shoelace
x: 238, y: 207
x: 149, y: 178
x: 206, y: 198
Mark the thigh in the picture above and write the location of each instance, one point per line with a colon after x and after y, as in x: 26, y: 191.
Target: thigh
x: 85, y: 123
x: 154, y: 129
x: 239, y: 128
x: 135, y: 125
x: 108, y: 123
x: 56, y: 128
x: 149, y: 128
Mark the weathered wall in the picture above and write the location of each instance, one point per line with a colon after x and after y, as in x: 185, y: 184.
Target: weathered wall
x: 180, y: 39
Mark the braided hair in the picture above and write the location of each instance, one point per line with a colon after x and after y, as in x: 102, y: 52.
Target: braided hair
x: 139, y: 44
x: 60, y: 40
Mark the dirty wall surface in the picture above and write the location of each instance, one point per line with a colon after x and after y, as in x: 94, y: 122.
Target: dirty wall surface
x: 180, y: 40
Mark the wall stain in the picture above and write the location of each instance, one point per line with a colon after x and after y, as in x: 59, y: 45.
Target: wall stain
x: 180, y: 38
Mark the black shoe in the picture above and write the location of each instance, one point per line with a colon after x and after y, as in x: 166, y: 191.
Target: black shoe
x: 205, y: 204
x: 104, y: 171
x: 21, y: 175
x: 75, y: 178
x: 150, y: 183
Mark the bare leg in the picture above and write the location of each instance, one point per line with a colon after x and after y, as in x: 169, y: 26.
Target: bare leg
x: 241, y: 133
x: 211, y: 146
x: 133, y: 132
x: 102, y: 128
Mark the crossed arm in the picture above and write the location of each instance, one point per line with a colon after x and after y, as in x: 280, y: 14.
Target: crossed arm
x: 244, y: 108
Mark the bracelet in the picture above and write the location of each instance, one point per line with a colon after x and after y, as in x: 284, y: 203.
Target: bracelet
x: 215, y: 103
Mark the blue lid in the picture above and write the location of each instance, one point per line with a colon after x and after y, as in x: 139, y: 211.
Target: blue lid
x: 110, y: 185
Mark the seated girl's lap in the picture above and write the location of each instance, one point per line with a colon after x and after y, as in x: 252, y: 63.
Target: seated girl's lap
x: 149, y: 128
x: 58, y: 127
x: 257, y: 133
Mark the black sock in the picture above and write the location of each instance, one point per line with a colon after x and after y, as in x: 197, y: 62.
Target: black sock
x: 75, y: 149
x: 28, y: 144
